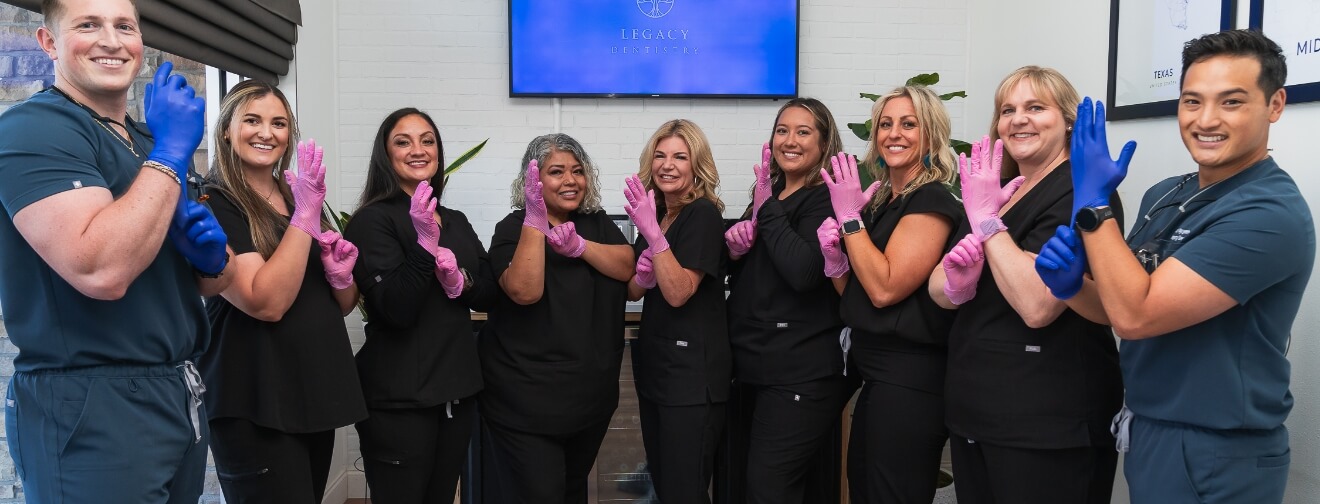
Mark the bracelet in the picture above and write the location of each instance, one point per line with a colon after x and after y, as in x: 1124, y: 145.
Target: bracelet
x: 467, y: 280
x: 217, y: 274
x: 162, y: 168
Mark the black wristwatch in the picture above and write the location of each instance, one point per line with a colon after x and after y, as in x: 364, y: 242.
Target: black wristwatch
x: 217, y: 274
x: 1090, y: 218
x: 852, y: 226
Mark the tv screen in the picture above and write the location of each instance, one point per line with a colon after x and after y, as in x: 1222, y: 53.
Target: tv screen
x: 678, y: 48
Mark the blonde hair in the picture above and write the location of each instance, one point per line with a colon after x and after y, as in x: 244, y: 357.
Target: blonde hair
x: 935, y: 126
x: 706, y: 179
x: 1052, y: 87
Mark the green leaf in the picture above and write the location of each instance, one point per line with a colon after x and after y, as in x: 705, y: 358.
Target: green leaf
x: 870, y: 96
x: 929, y: 79
x: 465, y: 157
x: 955, y: 94
x: 862, y: 130
x: 960, y: 147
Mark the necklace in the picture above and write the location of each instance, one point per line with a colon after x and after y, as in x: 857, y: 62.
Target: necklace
x: 100, y: 120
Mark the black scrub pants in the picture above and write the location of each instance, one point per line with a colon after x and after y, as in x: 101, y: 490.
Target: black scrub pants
x: 415, y: 455
x: 680, y: 446
x: 257, y: 464
x: 527, y: 468
x: 894, y: 452
x: 992, y: 474
x: 788, y: 425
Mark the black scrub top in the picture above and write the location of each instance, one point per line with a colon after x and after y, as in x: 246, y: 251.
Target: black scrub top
x: 295, y: 375
x: 1053, y: 387
x: 552, y: 367
x: 783, y: 311
x: 682, y: 355
x: 915, y: 327
x: 420, y: 351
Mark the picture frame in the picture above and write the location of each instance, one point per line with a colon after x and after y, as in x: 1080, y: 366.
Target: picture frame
x: 1294, y: 32
x: 1145, y: 51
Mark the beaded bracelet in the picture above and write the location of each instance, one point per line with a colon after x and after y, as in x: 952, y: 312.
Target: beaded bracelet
x: 162, y: 168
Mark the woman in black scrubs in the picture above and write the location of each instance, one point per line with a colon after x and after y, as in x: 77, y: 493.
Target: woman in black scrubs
x: 893, y: 240
x: 422, y: 269
x: 681, y: 361
x: 784, y: 320
x: 279, y: 373
x: 1032, y: 385
x: 554, y: 343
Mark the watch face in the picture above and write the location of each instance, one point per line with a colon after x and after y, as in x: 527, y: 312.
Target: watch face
x: 1089, y: 218
x: 852, y: 226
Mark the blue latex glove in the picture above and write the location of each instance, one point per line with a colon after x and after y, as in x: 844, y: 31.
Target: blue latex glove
x: 1062, y: 263
x: 197, y: 235
x: 176, y: 118
x: 1095, y: 175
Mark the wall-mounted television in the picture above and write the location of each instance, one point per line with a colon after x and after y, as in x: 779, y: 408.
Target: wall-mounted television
x: 653, y: 48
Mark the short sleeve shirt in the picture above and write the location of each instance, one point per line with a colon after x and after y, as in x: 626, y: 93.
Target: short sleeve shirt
x: 1252, y: 236
x: 682, y: 355
x: 49, y: 145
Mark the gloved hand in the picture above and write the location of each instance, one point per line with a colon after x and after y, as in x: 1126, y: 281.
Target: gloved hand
x: 1062, y: 263
x: 740, y: 237
x: 337, y: 258
x: 982, y: 197
x: 836, y: 262
x: 645, y: 276
x: 422, y: 212
x: 565, y: 241
x: 176, y: 118
x: 197, y: 235
x: 845, y: 187
x: 535, y: 217
x: 641, y: 208
x: 761, y: 191
x: 1095, y: 175
x: 962, y: 269
x: 447, y: 271
x: 308, y: 187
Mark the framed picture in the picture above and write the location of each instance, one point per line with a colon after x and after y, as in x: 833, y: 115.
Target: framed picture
x: 1146, y: 38
x: 1292, y: 24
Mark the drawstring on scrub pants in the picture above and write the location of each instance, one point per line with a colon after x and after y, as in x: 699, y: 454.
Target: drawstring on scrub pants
x: 193, y: 380
x: 1121, y: 428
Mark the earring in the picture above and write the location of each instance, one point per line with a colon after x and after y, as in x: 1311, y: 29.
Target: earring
x: 925, y: 160
x: 1069, y: 129
x: 880, y: 162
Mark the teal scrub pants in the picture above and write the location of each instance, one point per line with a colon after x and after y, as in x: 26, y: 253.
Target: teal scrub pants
x: 1173, y: 463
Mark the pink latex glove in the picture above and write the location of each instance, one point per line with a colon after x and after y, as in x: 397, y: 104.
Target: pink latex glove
x: 645, y: 276
x: 845, y: 187
x: 337, y: 258
x: 422, y: 212
x: 308, y: 186
x: 565, y: 241
x: 447, y: 271
x: 836, y: 262
x: 740, y: 237
x: 534, y: 199
x: 962, y: 269
x: 641, y: 208
x: 982, y: 197
x: 761, y: 191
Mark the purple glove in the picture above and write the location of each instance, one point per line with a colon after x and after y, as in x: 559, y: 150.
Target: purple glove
x: 1095, y: 175
x: 565, y: 241
x: 447, y: 271
x: 422, y: 212
x: 645, y: 276
x: 836, y: 262
x: 962, y: 269
x: 982, y: 197
x: 308, y: 187
x: 846, y: 188
x: 534, y: 200
x: 762, y: 191
x: 641, y: 208
x: 337, y: 257
x: 1062, y: 263
x: 740, y: 237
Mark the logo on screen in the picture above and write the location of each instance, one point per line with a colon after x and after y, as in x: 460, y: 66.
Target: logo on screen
x: 655, y: 8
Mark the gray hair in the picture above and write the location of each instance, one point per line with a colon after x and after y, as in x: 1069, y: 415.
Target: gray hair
x: 540, y: 149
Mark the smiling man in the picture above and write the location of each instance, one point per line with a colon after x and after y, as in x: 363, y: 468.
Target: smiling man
x: 1205, y: 290
x: 105, y: 404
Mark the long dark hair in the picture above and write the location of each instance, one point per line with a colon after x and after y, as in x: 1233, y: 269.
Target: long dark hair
x: 382, y: 182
